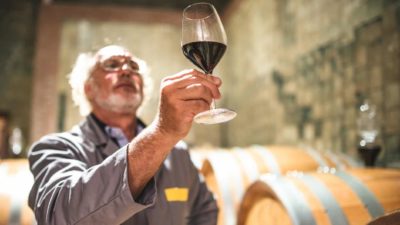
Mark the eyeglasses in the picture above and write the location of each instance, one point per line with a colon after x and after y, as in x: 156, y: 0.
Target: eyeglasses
x: 115, y: 64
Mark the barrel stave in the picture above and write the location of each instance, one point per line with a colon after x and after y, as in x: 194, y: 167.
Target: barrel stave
x: 345, y: 195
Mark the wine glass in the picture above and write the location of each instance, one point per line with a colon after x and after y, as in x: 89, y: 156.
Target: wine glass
x: 204, y: 43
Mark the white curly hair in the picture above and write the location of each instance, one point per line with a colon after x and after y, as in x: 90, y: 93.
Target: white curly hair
x: 82, y: 70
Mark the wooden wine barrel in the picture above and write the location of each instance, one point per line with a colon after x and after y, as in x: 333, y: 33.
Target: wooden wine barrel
x: 199, y: 155
x: 229, y: 172
x: 15, y: 183
x: 350, y: 197
x: 341, y: 160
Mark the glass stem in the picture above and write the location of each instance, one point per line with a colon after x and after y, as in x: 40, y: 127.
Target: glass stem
x: 213, y: 105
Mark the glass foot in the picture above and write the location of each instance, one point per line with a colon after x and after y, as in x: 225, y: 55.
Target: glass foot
x: 214, y: 116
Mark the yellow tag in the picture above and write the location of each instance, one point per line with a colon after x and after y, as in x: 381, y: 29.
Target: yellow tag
x: 176, y: 194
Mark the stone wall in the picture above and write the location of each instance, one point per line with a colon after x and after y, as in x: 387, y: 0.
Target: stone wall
x: 299, y: 70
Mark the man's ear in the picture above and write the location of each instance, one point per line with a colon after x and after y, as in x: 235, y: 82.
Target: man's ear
x: 87, y: 88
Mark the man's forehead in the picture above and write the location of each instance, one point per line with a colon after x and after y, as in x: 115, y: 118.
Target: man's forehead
x: 112, y: 50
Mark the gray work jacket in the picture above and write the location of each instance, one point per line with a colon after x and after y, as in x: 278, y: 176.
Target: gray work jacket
x: 81, y: 178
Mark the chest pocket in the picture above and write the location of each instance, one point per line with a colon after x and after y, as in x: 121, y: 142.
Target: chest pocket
x: 176, y: 201
x: 173, y: 196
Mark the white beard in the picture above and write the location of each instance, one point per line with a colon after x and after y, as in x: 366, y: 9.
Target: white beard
x: 119, y: 104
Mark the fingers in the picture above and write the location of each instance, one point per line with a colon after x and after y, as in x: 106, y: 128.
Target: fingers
x: 195, y: 92
x: 180, y: 74
x: 197, y: 106
x: 193, y: 78
x: 183, y: 96
x: 187, y: 73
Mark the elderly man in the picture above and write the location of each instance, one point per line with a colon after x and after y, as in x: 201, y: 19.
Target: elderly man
x: 111, y: 168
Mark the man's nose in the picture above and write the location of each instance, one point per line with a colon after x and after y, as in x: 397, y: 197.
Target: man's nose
x: 125, y: 73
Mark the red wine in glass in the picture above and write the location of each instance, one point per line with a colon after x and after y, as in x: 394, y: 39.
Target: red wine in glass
x: 204, y: 54
x: 204, y: 43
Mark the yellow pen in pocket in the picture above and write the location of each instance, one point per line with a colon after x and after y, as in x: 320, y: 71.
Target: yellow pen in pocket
x: 177, y: 194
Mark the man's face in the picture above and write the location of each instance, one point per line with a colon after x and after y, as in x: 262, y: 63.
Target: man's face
x: 115, y: 84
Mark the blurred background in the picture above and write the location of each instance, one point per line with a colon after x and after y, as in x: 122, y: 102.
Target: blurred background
x: 295, y: 71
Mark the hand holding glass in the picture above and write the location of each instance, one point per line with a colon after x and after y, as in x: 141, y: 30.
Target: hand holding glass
x: 204, y: 43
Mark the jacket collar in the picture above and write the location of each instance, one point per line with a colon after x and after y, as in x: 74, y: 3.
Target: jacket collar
x: 94, y: 131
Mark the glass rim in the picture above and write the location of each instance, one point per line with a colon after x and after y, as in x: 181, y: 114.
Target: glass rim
x: 199, y: 3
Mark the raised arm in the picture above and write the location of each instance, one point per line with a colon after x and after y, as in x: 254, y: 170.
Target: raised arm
x: 182, y: 96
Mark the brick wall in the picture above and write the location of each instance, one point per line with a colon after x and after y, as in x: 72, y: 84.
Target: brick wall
x: 295, y: 71
x: 17, y: 27
x: 298, y: 71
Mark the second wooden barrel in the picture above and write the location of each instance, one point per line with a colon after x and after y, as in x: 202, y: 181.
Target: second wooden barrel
x: 350, y: 197
x: 229, y: 172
